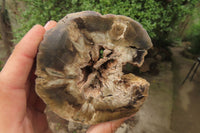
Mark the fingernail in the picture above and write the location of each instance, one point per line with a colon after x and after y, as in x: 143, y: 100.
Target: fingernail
x: 37, y: 25
x: 47, y: 24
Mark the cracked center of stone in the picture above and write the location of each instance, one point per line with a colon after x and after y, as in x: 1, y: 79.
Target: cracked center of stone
x: 80, y: 67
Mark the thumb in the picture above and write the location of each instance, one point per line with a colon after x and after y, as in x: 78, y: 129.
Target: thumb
x: 107, y: 127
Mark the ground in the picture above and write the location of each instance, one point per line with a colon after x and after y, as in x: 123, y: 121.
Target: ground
x: 170, y: 108
x: 186, y: 109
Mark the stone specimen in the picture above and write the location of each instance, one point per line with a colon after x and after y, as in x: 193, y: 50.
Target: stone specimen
x: 80, y: 67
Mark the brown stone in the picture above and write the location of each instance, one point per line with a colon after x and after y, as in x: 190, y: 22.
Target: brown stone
x: 80, y: 67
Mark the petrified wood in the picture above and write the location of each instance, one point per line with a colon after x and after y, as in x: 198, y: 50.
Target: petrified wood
x: 80, y: 67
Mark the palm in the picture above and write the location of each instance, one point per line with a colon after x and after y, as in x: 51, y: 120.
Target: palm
x: 35, y: 122
x: 34, y: 117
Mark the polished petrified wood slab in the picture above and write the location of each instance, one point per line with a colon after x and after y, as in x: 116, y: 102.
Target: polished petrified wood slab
x: 80, y: 67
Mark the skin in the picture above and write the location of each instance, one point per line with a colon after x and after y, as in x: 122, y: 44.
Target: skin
x: 21, y: 110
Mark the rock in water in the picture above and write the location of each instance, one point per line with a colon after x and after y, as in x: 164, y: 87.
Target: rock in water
x: 80, y: 67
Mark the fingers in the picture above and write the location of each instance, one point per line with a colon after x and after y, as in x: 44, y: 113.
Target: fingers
x: 19, y: 64
x: 107, y: 127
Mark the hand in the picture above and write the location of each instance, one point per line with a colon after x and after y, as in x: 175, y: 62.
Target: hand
x: 21, y: 110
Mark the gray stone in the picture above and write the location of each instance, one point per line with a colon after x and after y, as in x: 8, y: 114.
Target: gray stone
x: 80, y: 67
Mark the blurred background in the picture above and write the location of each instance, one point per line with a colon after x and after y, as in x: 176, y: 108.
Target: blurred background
x: 174, y: 27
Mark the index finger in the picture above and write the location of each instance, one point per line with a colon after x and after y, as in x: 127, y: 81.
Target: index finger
x: 19, y: 64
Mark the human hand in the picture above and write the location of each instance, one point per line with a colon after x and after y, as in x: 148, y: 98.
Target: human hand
x: 21, y: 109
x: 107, y: 127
